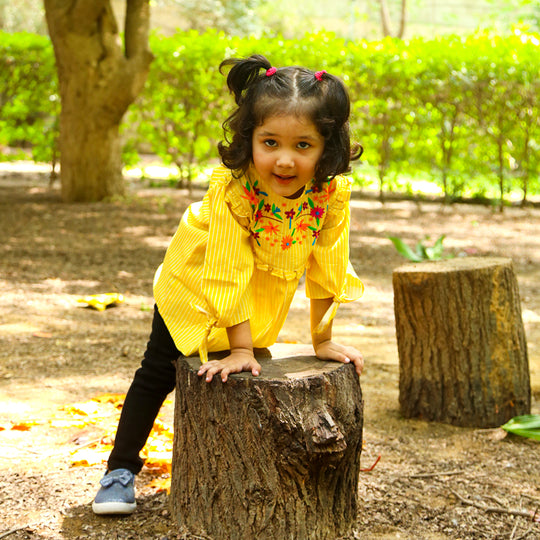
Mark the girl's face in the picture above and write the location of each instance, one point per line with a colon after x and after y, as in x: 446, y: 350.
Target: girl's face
x: 286, y: 150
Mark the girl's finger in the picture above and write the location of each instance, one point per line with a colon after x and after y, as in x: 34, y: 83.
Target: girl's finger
x: 225, y: 374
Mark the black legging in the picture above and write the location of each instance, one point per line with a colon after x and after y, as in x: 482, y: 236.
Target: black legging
x: 152, y: 382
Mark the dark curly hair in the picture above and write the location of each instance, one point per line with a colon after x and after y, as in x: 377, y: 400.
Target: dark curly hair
x: 289, y: 90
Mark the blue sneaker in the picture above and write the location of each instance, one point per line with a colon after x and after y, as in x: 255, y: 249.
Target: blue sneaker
x: 117, y: 493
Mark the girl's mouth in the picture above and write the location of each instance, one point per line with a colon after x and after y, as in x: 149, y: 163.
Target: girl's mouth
x: 283, y: 178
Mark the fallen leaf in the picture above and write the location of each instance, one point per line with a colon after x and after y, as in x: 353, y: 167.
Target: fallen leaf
x: 160, y: 484
x: 46, y: 335
x: 24, y: 426
x: 101, y: 301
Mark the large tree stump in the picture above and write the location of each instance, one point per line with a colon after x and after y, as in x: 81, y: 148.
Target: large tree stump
x: 462, y: 349
x: 269, y: 457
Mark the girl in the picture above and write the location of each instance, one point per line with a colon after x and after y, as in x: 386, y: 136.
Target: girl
x: 274, y: 209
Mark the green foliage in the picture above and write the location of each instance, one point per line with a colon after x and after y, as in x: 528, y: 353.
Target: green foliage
x: 421, y: 252
x: 180, y: 111
x: 462, y: 110
x: 29, y: 103
x: 526, y: 426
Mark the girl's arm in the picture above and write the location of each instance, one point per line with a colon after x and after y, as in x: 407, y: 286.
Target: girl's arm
x: 324, y: 347
x: 241, y: 357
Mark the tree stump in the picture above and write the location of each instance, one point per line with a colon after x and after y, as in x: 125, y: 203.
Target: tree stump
x: 462, y: 350
x: 270, y: 457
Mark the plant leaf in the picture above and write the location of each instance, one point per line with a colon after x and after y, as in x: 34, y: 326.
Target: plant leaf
x: 437, y: 249
x: 421, y: 252
x: 527, y: 425
x: 404, y: 250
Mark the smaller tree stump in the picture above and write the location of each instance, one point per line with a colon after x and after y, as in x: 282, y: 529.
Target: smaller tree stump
x: 462, y: 350
x: 270, y: 457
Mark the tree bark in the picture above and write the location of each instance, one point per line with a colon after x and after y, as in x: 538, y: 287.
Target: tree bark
x: 462, y: 348
x: 385, y: 19
x: 98, y: 80
x: 274, y: 456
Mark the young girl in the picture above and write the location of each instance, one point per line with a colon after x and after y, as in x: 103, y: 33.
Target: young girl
x: 275, y: 209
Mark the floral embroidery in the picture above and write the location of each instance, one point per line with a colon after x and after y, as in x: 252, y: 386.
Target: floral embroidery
x: 287, y: 241
x: 317, y: 212
x: 290, y: 215
x: 302, y: 226
x: 291, y: 224
x: 270, y: 228
x: 276, y: 212
x: 252, y: 196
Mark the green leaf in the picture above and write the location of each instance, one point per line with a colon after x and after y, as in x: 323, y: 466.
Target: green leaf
x: 404, y: 250
x: 438, y: 247
x: 421, y: 252
x: 526, y: 426
x: 435, y: 252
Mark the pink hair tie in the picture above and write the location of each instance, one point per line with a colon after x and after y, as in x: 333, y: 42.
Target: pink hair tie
x: 319, y: 74
x: 270, y: 71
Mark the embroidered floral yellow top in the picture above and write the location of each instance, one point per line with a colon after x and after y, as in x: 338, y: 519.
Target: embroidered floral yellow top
x: 239, y: 254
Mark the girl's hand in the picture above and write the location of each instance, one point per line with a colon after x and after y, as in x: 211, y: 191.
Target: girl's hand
x: 236, y: 362
x: 328, y: 350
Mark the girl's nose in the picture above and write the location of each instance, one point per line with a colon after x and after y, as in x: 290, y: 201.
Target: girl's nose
x: 285, y: 159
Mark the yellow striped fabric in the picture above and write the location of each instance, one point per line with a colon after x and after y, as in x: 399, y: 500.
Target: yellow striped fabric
x: 239, y: 254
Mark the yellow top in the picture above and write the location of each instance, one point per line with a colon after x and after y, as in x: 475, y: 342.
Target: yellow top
x: 239, y: 254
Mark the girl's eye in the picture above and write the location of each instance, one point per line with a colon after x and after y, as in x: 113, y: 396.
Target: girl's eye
x: 304, y: 145
x: 270, y: 142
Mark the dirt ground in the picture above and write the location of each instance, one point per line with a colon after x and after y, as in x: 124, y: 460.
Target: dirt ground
x: 433, y: 481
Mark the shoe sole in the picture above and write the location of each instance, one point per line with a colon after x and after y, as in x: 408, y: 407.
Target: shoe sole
x: 114, y: 508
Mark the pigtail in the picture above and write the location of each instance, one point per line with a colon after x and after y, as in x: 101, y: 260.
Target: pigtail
x: 332, y: 121
x: 235, y: 151
x: 243, y: 73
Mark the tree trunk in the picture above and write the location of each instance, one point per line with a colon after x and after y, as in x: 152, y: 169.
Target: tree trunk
x: 98, y: 80
x: 462, y: 349
x: 385, y: 19
x: 274, y: 456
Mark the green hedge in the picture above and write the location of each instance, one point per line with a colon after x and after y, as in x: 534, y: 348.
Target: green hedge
x: 462, y: 110
x: 29, y: 102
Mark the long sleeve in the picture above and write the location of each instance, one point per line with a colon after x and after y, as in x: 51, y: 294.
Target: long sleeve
x: 204, y: 282
x: 228, y: 266
x: 330, y: 273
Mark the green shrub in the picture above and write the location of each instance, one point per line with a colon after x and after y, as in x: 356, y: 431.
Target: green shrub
x: 463, y: 110
x: 29, y: 103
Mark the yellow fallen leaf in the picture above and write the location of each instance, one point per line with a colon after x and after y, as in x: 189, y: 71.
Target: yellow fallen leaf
x: 24, y: 426
x: 158, y: 462
x: 157, y: 451
x: 86, y: 457
x: 161, y: 428
x: 160, y: 484
x: 116, y: 399
x: 82, y: 409
x: 68, y: 423
x: 101, y: 301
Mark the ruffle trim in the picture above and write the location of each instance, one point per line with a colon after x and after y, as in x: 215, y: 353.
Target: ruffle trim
x: 232, y: 192
x: 343, y: 195
x: 240, y: 206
